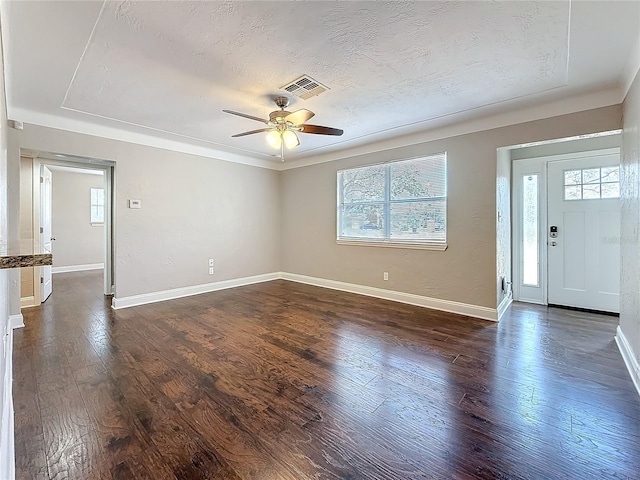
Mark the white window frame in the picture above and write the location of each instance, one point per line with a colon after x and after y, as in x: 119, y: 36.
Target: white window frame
x: 96, y: 222
x: 387, y: 242
x: 521, y: 292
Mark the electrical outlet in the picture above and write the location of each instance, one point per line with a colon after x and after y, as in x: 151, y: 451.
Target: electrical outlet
x: 211, y: 262
x: 210, y: 270
x: 385, y: 276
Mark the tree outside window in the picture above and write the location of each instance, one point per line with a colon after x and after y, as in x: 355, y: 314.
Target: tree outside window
x: 403, y: 201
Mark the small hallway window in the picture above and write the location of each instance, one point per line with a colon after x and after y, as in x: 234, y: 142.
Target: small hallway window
x: 97, y: 206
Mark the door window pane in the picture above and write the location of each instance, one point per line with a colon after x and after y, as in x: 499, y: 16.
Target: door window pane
x: 592, y: 183
x: 591, y: 191
x: 530, y: 242
x: 573, y: 192
x: 591, y: 175
x: 610, y: 190
x: 573, y: 177
x: 610, y: 174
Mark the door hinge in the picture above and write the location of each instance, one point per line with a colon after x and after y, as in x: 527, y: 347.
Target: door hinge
x: 41, y: 179
x: 41, y: 229
x: 41, y: 279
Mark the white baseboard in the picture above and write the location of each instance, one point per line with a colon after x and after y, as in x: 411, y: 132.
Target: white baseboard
x: 78, y: 268
x: 16, y: 321
x: 27, y: 301
x: 630, y: 360
x: 7, y: 445
x: 504, y: 304
x: 484, y: 313
x: 161, y: 296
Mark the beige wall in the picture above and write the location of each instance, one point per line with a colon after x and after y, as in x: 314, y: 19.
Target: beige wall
x: 630, y: 238
x: 467, y: 271
x: 77, y: 242
x: 193, y: 208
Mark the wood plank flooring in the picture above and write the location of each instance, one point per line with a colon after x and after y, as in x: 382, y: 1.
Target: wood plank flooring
x: 287, y: 381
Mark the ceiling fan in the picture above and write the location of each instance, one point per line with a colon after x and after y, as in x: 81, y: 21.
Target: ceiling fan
x: 283, y: 126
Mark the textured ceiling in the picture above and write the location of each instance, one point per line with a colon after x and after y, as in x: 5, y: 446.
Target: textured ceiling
x: 169, y: 68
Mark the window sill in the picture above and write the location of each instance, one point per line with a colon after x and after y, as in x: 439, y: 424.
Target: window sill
x: 441, y: 247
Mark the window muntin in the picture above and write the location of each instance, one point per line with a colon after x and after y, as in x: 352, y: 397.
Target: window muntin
x: 592, y: 183
x: 397, y: 202
x: 97, y: 205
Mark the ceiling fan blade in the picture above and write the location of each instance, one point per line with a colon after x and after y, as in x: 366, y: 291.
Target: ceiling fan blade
x: 251, y: 132
x: 299, y: 116
x: 245, y: 115
x: 320, y: 130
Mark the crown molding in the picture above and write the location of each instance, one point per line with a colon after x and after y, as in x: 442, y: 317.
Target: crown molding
x: 89, y: 128
x: 457, y: 124
x: 444, y: 127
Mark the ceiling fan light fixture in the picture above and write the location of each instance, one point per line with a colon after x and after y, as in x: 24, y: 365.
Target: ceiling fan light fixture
x: 282, y: 127
x: 290, y: 139
x: 274, y: 139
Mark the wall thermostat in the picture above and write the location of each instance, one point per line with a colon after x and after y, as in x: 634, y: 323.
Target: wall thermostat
x: 135, y: 204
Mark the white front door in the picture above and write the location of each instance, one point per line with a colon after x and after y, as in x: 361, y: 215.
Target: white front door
x: 584, y: 250
x: 45, y: 230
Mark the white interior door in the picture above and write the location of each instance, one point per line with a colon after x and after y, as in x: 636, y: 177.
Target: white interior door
x: 584, y: 252
x: 45, y: 230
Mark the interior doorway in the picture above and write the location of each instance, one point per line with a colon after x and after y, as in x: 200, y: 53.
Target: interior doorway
x: 566, y: 229
x: 98, y: 217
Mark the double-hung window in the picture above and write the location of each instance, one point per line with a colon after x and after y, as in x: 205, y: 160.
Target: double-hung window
x: 402, y: 203
x: 97, y: 206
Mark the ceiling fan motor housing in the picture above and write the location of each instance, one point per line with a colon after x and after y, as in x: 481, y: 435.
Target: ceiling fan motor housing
x: 282, y: 102
x: 278, y: 117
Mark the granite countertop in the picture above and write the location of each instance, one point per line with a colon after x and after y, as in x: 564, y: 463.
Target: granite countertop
x: 28, y: 260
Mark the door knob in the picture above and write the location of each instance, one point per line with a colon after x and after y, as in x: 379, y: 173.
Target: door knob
x: 553, y: 244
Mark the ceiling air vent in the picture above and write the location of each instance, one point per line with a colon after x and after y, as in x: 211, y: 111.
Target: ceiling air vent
x: 305, y: 87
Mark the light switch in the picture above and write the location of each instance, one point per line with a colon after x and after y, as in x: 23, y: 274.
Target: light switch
x: 135, y: 204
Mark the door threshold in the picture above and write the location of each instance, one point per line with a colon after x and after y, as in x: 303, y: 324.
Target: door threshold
x: 587, y: 310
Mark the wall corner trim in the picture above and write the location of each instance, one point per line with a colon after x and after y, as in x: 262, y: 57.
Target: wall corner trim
x: 7, y: 433
x: 476, y: 311
x: 16, y: 321
x: 630, y: 360
x: 144, y: 298
x: 504, y: 305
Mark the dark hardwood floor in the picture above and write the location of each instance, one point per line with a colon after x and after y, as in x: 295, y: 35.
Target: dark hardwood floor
x: 287, y: 381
